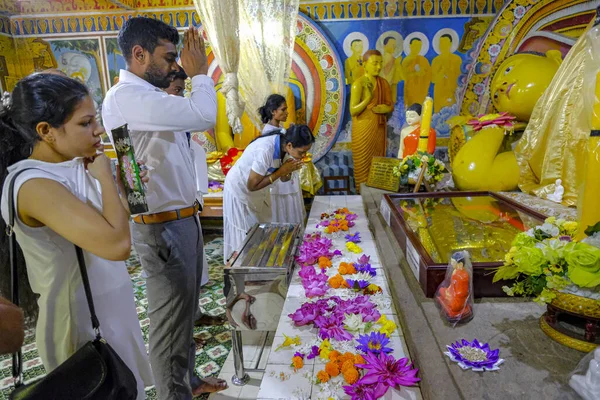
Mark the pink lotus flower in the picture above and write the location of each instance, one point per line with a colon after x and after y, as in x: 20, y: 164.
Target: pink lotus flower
x: 306, y: 314
x: 331, y: 328
x: 386, y: 370
x: 362, y: 391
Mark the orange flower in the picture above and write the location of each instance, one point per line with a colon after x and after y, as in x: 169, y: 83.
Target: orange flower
x: 324, y: 262
x: 332, y: 368
x: 297, y: 362
x: 358, y: 359
x: 343, y: 269
x: 347, y: 364
x: 336, y: 281
x: 347, y: 357
x: 351, y: 269
x: 334, y: 355
x: 345, y: 284
x: 351, y: 375
x: 323, y: 376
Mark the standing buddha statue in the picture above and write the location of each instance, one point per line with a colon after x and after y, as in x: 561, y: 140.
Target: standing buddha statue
x: 370, y: 102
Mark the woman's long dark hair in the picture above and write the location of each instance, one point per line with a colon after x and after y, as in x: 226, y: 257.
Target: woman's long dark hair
x: 36, y: 98
x: 297, y: 135
x: 274, y: 101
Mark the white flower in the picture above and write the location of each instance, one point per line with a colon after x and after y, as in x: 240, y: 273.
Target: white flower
x: 530, y: 233
x: 364, y: 276
x: 353, y: 322
x: 549, y: 229
x: 331, y: 303
x: 381, y: 300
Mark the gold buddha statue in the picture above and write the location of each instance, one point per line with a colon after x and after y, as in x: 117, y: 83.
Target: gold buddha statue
x: 370, y: 102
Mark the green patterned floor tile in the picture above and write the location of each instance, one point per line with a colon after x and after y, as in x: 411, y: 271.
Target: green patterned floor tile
x: 209, y: 359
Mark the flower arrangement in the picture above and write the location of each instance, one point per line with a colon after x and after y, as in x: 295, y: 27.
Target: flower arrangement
x: 547, y: 258
x: 229, y: 159
x: 215, y: 187
x: 353, y: 337
x: 474, y: 355
x: 340, y: 220
x: 409, y: 169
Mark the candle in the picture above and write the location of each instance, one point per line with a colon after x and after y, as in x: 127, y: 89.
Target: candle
x: 425, y: 124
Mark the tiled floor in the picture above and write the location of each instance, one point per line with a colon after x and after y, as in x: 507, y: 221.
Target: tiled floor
x: 209, y: 359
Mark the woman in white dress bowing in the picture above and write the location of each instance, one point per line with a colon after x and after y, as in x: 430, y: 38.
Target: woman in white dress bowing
x: 246, y: 197
x: 67, y: 196
x: 287, y: 203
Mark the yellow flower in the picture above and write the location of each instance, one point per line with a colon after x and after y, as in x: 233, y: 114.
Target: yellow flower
x: 354, y: 248
x: 550, y: 220
x: 382, y: 320
x: 289, y: 341
x: 570, y: 227
x: 325, y: 348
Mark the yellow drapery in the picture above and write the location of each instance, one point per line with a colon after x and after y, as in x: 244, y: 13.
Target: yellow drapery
x: 554, y: 144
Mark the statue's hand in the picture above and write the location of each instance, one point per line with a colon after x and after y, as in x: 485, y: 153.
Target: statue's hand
x: 381, y: 109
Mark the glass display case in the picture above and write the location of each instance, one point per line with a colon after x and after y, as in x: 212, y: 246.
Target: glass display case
x: 430, y: 227
x: 256, y: 283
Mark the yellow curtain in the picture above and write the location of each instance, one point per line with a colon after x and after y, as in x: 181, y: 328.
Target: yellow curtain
x: 554, y: 144
x: 220, y: 22
x: 267, y: 30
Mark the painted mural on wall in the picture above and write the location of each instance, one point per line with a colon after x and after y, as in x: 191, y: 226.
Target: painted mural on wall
x: 446, y: 49
x: 80, y: 59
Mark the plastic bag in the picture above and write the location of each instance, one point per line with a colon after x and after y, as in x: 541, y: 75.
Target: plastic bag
x: 454, y: 296
x: 585, y: 379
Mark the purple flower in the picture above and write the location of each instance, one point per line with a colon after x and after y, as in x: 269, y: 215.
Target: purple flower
x: 355, y: 238
x: 357, y: 284
x: 565, y: 238
x: 298, y: 354
x: 337, y: 253
x: 307, y: 272
x: 351, y: 224
x: 306, y: 314
x: 374, y: 343
x: 474, y: 355
x: 351, y: 217
x: 315, y: 288
x: 386, y: 370
x: 314, y: 352
x: 323, y: 223
x: 331, y: 328
x: 371, y: 315
x: 365, y: 268
x: 362, y: 391
x: 364, y: 259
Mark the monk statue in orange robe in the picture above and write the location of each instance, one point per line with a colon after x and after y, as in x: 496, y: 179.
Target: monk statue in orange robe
x: 409, y: 136
x: 370, y: 102
x: 454, y: 299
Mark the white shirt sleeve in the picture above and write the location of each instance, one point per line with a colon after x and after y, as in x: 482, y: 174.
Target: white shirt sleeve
x: 263, y: 160
x: 155, y: 110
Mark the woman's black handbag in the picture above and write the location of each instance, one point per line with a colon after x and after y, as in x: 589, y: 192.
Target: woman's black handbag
x: 94, y: 372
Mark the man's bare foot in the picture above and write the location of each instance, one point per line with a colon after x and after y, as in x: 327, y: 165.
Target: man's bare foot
x: 209, y: 320
x: 210, y: 385
x: 199, y: 342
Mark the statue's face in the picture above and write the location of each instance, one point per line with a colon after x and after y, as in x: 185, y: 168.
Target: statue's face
x: 390, y: 46
x: 445, y: 45
x: 412, y: 118
x: 357, y: 47
x: 520, y: 81
x: 373, y: 65
x: 415, y: 47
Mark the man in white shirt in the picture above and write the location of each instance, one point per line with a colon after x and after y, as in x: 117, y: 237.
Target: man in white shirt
x: 168, y: 238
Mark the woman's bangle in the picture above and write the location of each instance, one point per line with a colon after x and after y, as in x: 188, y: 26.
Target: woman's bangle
x: 271, y: 179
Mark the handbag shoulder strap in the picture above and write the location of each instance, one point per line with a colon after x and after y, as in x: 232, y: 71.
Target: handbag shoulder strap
x: 12, y: 209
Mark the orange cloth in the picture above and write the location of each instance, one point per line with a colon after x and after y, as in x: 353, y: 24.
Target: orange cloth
x: 454, y: 299
x: 369, y: 133
x: 411, y: 142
